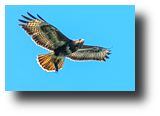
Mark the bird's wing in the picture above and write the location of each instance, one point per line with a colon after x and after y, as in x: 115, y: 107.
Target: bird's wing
x: 43, y: 34
x: 90, y: 53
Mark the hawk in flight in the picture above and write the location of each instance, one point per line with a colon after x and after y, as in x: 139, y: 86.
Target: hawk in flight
x: 49, y: 37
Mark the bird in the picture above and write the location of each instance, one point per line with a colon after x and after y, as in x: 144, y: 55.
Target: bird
x: 61, y: 47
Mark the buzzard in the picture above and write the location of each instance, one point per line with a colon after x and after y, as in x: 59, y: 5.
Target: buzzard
x: 49, y: 37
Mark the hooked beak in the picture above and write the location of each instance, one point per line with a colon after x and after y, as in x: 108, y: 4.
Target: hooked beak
x: 81, y: 40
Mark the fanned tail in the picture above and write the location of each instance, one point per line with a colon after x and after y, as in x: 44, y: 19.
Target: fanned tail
x: 50, y: 62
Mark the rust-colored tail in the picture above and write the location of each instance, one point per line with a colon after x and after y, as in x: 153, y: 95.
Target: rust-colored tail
x: 50, y: 62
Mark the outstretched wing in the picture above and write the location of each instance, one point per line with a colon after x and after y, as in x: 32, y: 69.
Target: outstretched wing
x: 42, y: 33
x: 90, y: 53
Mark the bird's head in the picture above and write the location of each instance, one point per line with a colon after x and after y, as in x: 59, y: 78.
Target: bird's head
x: 78, y: 43
x: 81, y: 40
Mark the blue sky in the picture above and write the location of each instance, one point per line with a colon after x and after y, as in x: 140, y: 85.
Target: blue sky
x: 109, y: 26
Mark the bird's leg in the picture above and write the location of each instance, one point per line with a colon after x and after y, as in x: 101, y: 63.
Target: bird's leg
x: 56, y: 66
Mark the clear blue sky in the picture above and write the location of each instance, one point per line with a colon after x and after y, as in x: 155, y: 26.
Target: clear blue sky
x: 105, y: 26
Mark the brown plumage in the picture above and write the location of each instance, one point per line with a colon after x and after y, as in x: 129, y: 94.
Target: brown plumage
x: 49, y: 37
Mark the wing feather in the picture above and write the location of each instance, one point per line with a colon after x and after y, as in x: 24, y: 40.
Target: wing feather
x: 43, y: 34
x: 26, y: 18
x: 41, y: 18
x: 90, y: 53
x: 31, y: 15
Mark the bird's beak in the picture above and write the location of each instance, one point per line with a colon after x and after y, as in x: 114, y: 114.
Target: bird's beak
x: 82, y: 40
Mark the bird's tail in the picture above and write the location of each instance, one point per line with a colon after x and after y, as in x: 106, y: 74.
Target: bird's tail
x: 50, y: 62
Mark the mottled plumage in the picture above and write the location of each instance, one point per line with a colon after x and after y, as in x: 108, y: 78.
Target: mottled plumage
x: 49, y: 37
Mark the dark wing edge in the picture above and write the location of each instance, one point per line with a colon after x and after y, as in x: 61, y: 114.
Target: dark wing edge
x: 43, y: 34
x: 88, y: 52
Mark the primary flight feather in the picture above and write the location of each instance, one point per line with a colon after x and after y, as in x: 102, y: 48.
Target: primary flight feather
x: 49, y: 37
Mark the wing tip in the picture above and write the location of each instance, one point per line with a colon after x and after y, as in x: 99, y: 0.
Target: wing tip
x: 103, y: 60
x: 106, y: 57
x: 23, y: 21
x: 41, y: 18
x: 28, y: 19
x: 31, y: 15
x: 35, y: 17
x: 20, y: 25
x: 109, y: 53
